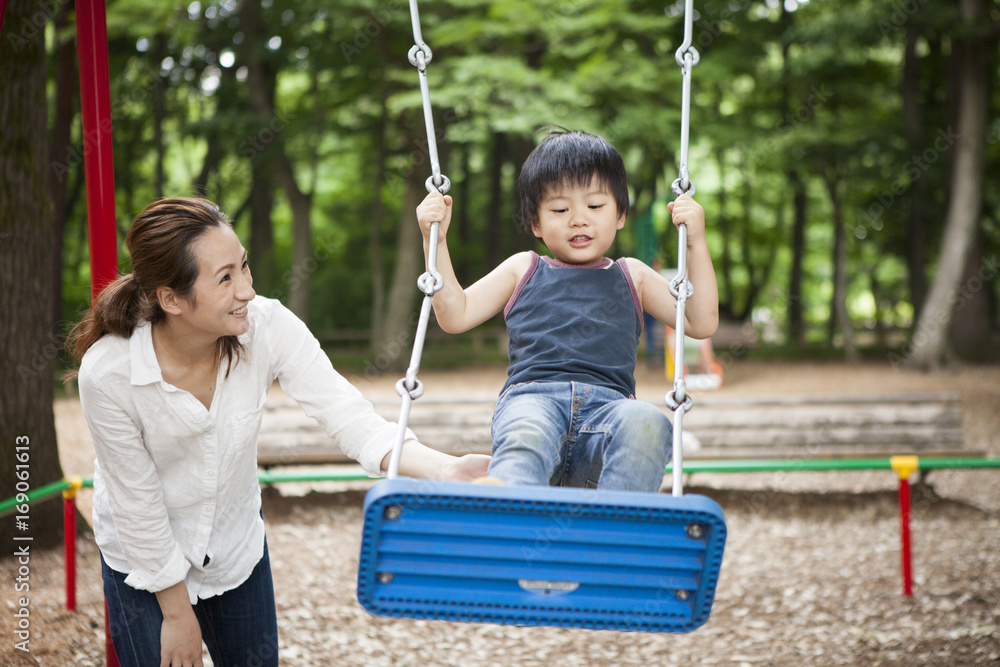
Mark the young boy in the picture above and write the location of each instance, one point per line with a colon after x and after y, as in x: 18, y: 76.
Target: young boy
x: 567, y: 414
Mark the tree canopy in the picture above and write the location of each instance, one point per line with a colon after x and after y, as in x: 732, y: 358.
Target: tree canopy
x: 825, y: 146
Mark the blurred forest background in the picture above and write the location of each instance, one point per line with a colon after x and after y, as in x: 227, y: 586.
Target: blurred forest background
x: 828, y: 149
x: 846, y: 152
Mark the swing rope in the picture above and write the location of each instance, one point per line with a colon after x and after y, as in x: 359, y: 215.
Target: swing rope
x: 681, y: 288
x: 430, y: 282
x: 462, y: 552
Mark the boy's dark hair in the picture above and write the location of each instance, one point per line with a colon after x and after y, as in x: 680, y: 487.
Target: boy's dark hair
x: 573, y: 158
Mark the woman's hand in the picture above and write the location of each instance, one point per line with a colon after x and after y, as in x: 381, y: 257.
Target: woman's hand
x: 180, y: 634
x: 434, y: 208
x: 421, y: 461
x: 466, y: 468
x: 686, y: 210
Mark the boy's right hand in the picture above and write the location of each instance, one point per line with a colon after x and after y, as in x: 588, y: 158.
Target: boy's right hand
x: 434, y: 208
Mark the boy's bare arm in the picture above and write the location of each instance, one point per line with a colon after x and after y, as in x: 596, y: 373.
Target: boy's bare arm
x: 701, y: 311
x: 459, y: 309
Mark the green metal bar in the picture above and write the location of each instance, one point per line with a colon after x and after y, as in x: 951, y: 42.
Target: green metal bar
x: 703, y: 466
x: 269, y: 477
x: 819, y: 465
x: 36, y: 495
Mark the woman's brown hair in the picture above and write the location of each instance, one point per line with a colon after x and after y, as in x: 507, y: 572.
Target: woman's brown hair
x: 160, y: 243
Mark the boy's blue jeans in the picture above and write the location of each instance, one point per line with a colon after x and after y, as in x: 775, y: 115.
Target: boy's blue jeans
x: 239, y: 627
x: 581, y: 435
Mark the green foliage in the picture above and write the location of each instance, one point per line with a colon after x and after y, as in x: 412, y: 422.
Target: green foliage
x: 813, y: 87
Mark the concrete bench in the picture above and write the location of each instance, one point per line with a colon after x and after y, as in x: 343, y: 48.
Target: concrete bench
x: 727, y: 426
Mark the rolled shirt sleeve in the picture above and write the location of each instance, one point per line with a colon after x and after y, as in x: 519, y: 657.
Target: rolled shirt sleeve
x: 307, y: 375
x: 133, y: 490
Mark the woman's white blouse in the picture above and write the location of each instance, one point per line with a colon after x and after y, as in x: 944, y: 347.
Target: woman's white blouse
x: 176, y: 496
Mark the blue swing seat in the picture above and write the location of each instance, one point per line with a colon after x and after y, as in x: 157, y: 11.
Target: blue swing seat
x: 532, y: 556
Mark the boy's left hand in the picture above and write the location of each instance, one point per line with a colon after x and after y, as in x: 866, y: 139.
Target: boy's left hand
x: 687, y: 210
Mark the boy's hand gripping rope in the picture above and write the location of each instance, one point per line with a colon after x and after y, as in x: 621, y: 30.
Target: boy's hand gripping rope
x: 681, y: 288
x: 410, y: 388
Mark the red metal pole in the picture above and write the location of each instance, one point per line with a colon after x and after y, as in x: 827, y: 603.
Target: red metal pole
x: 98, y: 164
x: 95, y: 107
x: 3, y: 10
x: 69, y: 539
x: 111, y: 658
x: 904, y: 531
x: 904, y: 467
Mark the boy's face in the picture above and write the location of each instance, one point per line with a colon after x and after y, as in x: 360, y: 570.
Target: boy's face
x: 578, y: 223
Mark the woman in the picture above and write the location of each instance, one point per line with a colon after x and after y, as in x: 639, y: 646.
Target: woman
x: 176, y: 360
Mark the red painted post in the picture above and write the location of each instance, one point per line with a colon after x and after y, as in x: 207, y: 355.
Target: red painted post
x: 904, y: 531
x: 98, y: 162
x: 111, y: 659
x: 904, y: 466
x: 69, y: 541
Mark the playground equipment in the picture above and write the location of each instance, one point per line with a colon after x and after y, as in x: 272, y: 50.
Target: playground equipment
x: 540, y: 555
x: 699, y: 355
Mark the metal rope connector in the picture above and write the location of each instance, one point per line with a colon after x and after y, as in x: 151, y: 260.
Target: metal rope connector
x: 675, y: 287
x: 430, y: 282
x: 679, y: 188
x: 670, y: 399
x: 432, y: 187
x: 682, y: 51
x: 416, y: 392
x: 420, y: 56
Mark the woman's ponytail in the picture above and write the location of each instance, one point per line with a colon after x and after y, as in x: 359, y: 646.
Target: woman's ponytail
x: 118, y: 309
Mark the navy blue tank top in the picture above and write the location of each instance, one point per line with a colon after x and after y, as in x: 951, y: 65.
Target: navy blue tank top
x: 574, y: 324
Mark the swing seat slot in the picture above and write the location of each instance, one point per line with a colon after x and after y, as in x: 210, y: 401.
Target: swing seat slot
x: 540, y: 556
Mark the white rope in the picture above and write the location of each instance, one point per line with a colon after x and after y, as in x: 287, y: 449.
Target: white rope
x: 410, y: 388
x: 679, y: 400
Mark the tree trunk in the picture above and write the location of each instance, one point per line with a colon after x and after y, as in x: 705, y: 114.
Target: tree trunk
x: 494, y: 219
x: 971, y: 335
x: 391, y: 351
x: 796, y: 322
x: 65, y: 84
x: 725, y: 225
x: 260, y: 87
x: 377, y: 220
x: 929, y: 345
x: 461, y: 220
x: 916, y: 236
x: 27, y: 347
x: 261, y: 252
x: 841, y: 317
x: 159, y: 51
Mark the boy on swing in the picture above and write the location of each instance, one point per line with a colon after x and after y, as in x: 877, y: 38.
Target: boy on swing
x: 567, y: 414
